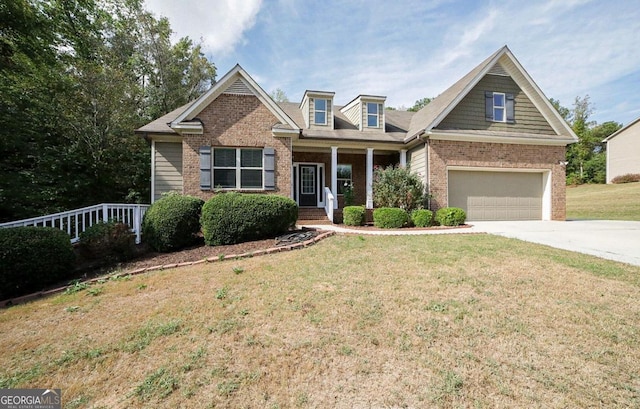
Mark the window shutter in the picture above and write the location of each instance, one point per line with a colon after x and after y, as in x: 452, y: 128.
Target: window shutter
x: 205, y: 168
x: 488, y: 105
x: 269, y: 168
x: 510, y: 108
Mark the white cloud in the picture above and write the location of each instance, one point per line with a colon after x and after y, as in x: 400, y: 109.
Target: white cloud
x: 220, y: 24
x: 410, y: 49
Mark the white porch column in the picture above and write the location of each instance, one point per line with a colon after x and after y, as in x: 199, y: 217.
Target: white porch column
x: 369, y: 178
x: 334, y: 175
x: 403, y: 158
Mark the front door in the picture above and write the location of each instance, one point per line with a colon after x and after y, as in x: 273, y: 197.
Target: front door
x: 308, y: 185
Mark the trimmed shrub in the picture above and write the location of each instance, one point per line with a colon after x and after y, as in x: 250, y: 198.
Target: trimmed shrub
x: 450, y: 216
x: 353, y: 215
x: 107, y: 242
x: 390, y: 217
x: 173, y: 222
x: 627, y: 178
x: 230, y: 218
x: 422, y: 217
x: 32, y: 258
x: 395, y: 186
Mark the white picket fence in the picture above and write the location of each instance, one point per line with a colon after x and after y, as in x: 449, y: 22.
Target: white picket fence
x: 76, y: 221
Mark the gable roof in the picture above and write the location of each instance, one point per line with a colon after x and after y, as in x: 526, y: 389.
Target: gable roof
x: 619, y: 131
x: 161, y: 125
x: 230, y: 81
x: 431, y: 115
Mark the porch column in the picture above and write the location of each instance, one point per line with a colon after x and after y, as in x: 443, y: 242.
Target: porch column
x: 334, y: 175
x: 369, y: 178
x: 403, y: 158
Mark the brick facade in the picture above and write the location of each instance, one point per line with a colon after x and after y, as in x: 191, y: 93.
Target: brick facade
x: 235, y: 121
x: 496, y: 155
x: 358, y: 164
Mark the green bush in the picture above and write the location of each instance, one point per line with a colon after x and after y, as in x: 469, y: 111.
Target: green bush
x: 627, y: 178
x: 230, y: 218
x: 107, y: 242
x: 353, y: 215
x: 422, y: 217
x: 398, y: 187
x: 32, y: 258
x: 390, y: 217
x: 173, y: 222
x: 450, y: 216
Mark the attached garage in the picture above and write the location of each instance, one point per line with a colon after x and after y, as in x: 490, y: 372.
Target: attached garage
x: 499, y: 195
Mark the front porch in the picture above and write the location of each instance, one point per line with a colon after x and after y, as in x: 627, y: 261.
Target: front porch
x: 320, y: 175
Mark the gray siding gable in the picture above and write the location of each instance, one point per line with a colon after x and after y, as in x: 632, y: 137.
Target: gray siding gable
x: 469, y: 114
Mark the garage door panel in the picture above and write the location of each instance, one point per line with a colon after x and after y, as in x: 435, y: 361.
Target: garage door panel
x: 487, y: 195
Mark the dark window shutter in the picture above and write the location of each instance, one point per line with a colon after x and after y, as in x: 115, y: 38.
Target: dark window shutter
x: 205, y: 167
x: 269, y: 168
x: 510, y: 108
x: 488, y: 105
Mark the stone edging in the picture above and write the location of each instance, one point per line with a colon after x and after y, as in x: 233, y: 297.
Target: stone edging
x: 272, y: 250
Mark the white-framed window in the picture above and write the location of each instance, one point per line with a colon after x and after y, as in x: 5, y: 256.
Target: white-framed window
x: 372, y: 115
x: 499, y: 102
x: 499, y: 107
x: 237, y: 168
x: 345, y: 178
x: 320, y: 111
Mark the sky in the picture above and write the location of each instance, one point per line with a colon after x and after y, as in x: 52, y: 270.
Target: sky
x: 410, y: 49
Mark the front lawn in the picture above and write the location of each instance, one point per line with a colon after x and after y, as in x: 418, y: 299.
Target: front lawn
x: 604, y: 202
x: 392, y: 321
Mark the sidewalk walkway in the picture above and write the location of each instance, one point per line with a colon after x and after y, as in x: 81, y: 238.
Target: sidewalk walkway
x: 392, y: 232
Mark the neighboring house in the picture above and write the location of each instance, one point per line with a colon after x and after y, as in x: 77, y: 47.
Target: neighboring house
x: 623, y: 151
x: 491, y: 144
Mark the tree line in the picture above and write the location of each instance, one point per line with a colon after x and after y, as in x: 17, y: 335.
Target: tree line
x: 586, y: 159
x: 77, y: 77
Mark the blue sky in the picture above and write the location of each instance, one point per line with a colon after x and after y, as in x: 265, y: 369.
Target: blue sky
x: 409, y: 49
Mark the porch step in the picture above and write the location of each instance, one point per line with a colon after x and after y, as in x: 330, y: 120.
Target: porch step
x: 311, y: 213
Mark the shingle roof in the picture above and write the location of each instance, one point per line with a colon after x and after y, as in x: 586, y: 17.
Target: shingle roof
x: 397, y: 123
x: 161, y: 125
x: 401, y: 126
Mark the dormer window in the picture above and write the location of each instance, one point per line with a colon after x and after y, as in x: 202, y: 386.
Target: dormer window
x: 372, y: 115
x: 320, y: 111
x: 366, y: 112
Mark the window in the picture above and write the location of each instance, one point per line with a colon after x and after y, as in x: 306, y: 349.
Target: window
x: 237, y: 168
x: 499, y: 107
x: 372, y: 115
x: 320, y: 111
x: 344, y: 178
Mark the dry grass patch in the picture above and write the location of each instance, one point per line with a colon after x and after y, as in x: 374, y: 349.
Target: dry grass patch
x: 431, y: 321
x: 604, y: 202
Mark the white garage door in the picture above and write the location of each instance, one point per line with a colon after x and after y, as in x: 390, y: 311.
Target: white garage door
x: 496, y: 195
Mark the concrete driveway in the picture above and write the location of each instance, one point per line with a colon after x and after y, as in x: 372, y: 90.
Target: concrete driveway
x: 613, y: 240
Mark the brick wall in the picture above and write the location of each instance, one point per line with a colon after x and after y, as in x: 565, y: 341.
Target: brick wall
x: 496, y: 155
x: 235, y: 121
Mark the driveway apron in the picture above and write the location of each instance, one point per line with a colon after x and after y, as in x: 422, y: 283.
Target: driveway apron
x: 609, y: 239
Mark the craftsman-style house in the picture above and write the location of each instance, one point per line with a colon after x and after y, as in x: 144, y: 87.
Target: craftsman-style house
x: 491, y: 144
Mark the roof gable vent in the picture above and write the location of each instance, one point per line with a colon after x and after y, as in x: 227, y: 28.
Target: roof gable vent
x: 238, y: 88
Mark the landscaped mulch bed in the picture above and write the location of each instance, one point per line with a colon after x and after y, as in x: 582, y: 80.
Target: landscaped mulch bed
x: 150, y: 260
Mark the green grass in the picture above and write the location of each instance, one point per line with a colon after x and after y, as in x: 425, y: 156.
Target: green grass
x: 604, y: 202
x: 393, y: 321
